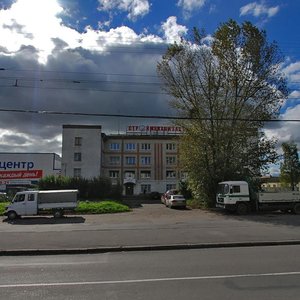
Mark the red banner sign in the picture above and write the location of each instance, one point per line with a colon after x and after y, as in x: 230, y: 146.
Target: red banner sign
x: 30, y: 174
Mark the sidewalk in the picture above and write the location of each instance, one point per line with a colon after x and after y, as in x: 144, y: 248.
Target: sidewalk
x: 151, y: 226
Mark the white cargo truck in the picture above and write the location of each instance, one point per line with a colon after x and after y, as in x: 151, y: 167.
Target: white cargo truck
x: 235, y: 196
x: 29, y: 203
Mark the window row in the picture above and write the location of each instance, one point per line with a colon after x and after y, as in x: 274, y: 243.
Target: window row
x: 144, y: 160
x: 128, y: 146
x: 131, y: 174
x: 143, y: 174
x: 146, y: 188
x: 143, y: 146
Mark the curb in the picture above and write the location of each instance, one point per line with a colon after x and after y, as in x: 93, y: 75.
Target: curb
x: 32, y: 252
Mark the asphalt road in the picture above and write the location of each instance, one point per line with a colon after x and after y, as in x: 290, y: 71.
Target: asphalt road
x: 151, y: 224
x: 224, y: 273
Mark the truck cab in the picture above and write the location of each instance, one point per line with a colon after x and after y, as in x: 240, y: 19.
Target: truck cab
x: 23, y: 204
x: 233, y: 196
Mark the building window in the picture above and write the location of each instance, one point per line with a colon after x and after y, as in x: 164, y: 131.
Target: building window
x: 114, y: 174
x: 171, y: 160
x: 130, y: 160
x: 129, y: 174
x: 170, y: 187
x: 114, y: 146
x: 77, y: 172
x: 78, y: 141
x: 171, y: 146
x: 77, y: 156
x: 114, y: 160
x: 171, y: 174
x: 145, y: 174
x: 145, y: 188
x: 130, y: 146
x: 145, y: 147
x: 145, y: 160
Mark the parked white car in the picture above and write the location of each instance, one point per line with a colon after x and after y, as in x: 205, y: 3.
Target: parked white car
x: 176, y: 201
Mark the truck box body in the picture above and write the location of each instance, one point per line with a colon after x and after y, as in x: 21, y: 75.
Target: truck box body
x: 235, y: 196
x: 291, y: 196
x: 52, y: 199
x: 34, y: 202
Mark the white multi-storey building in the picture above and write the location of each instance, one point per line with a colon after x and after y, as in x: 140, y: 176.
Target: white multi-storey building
x: 142, y: 161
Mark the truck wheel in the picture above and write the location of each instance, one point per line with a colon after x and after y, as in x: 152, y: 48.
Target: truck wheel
x: 242, y: 209
x: 57, y: 214
x: 12, y: 215
x: 296, y: 209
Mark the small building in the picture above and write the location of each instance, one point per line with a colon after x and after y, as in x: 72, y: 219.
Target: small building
x: 26, y: 169
x: 144, y: 160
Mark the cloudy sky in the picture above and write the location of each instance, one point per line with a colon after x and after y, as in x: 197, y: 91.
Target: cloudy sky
x: 99, y: 57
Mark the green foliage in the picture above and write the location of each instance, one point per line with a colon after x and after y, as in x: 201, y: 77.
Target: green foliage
x: 225, y: 93
x: 290, y: 168
x: 2, y: 207
x: 98, y: 187
x: 102, y: 207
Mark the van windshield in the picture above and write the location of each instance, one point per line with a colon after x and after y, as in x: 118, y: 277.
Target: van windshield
x: 223, y: 189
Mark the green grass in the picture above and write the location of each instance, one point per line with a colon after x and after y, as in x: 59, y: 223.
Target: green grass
x: 102, y: 207
x: 87, y: 207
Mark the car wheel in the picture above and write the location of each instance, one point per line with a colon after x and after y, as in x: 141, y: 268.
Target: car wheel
x: 12, y: 215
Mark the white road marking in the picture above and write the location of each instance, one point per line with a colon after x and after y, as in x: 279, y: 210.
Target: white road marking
x: 22, y: 285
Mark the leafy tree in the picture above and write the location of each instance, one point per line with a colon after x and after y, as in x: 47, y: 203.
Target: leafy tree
x: 290, y: 168
x: 223, y: 93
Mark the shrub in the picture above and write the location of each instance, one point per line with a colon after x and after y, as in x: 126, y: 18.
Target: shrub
x: 97, y: 187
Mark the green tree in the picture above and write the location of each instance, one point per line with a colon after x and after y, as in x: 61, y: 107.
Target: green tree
x: 290, y: 168
x: 223, y: 93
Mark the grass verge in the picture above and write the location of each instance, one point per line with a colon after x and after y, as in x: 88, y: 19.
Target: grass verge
x: 102, y: 207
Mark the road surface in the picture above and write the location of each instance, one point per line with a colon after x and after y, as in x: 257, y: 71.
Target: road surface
x: 224, y: 273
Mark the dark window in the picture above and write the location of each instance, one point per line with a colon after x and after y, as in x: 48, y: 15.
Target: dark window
x: 77, y: 172
x: 235, y: 189
x: 30, y: 197
x: 78, y: 141
x: 77, y: 156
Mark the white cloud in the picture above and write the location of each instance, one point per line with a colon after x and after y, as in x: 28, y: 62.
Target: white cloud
x: 258, y: 9
x: 135, y: 8
x: 173, y: 31
x: 38, y: 24
x: 33, y: 23
x: 61, y: 69
x: 292, y: 71
x: 287, y: 131
x: 189, y: 6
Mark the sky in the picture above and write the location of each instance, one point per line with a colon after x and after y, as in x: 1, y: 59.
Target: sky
x: 95, y: 59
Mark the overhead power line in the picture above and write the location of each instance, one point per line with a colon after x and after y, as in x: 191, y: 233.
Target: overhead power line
x: 49, y: 112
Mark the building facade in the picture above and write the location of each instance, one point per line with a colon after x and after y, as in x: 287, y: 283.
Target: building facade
x: 26, y: 169
x: 141, y: 162
x: 81, y: 151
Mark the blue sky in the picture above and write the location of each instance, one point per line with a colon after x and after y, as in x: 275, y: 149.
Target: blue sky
x: 100, y: 56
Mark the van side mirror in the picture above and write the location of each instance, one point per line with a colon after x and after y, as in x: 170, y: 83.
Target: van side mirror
x: 231, y: 190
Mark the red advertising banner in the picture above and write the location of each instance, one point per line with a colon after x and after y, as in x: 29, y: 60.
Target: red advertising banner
x: 30, y: 174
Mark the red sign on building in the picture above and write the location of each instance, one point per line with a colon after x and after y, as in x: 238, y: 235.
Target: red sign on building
x: 29, y: 174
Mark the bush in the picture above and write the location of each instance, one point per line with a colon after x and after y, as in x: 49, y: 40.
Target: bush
x: 98, y: 187
x: 103, y: 207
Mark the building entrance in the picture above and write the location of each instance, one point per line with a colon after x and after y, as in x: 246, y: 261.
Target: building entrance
x: 129, y: 188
